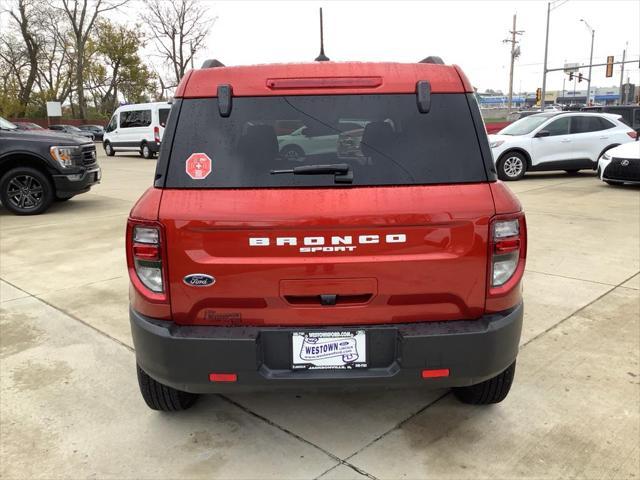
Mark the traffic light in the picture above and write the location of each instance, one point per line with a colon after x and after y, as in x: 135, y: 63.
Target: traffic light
x: 538, y: 95
x: 570, y: 76
x: 610, y: 66
x: 580, y: 77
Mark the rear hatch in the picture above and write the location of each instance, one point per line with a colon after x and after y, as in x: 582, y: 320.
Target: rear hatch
x: 404, y: 240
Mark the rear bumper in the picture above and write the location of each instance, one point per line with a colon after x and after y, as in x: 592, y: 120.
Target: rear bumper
x: 184, y: 356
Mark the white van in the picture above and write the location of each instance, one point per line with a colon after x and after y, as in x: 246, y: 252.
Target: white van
x: 137, y: 127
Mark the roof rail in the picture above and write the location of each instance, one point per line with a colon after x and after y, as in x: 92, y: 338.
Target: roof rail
x: 432, y: 59
x: 212, y: 63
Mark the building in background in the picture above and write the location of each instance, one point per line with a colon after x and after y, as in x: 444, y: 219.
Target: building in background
x: 599, y: 96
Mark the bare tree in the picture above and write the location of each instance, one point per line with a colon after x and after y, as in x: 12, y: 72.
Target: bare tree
x: 24, y: 16
x: 55, y: 70
x: 82, y: 15
x: 178, y: 29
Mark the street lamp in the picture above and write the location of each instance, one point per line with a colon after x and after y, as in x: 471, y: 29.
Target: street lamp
x: 593, y: 33
x: 550, y: 6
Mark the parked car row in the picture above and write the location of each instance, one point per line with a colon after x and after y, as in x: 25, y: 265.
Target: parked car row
x: 569, y: 141
x: 94, y: 132
x: 547, y: 141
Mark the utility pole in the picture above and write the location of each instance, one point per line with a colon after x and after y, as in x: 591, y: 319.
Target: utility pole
x: 544, y: 68
x: 624, y: 53
x: 515, y: 52
x: 593, y: 33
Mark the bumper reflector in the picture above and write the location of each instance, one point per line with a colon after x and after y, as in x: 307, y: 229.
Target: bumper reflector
x: 223, y: 377
x: 435, y: 373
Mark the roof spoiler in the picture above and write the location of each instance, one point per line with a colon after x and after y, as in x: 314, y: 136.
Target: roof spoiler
x: 432, y: 59
x: 212, y: 63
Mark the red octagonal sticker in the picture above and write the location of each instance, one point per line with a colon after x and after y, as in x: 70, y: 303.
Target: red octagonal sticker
x: 198, y: 166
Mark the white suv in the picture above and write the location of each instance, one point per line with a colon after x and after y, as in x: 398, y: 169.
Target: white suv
x: 568, y: 141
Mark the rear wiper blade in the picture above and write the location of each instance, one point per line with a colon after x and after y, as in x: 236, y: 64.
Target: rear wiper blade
x: 342, y: 171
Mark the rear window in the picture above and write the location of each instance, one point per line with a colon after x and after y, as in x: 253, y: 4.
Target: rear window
x: 383, y: 138
x: 163, y: 114
x: 588, y: 124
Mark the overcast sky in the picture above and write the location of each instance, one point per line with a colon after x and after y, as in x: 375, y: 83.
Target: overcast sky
x: 468, y: 33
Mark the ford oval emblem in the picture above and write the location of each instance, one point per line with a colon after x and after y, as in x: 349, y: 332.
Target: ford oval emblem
x: 199, y: 280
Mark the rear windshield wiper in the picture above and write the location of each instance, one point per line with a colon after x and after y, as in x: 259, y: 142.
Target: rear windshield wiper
x: 342, y: 171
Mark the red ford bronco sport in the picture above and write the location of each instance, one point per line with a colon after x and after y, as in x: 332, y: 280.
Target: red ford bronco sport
x: 325, y: 224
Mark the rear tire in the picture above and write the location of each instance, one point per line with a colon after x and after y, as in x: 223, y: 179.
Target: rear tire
x: 26, y: 191
x: 145, y: 151
x: 161, y: 397
x: 490, y: 391
x: 512, y: 166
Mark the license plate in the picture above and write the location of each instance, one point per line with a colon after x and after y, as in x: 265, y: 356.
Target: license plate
x: 329, y: 350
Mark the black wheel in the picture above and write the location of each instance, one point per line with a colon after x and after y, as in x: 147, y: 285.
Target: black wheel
x: 512, y: 166
x: 26, y: 191
x: 490, y: 391
x: 145, y: 151
x: 161, y: 397
x: 572, y: 172
x: 108, y: 149
x: 292, y: 153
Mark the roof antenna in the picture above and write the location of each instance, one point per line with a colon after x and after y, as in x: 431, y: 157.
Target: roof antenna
x: 322, y: 57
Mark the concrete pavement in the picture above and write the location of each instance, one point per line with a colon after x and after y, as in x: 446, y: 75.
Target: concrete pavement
x: 70, y: 407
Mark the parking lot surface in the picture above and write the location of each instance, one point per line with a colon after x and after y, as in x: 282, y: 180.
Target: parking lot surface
x: 70, y: 406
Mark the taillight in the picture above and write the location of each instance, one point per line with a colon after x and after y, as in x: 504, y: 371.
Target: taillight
x: 508, y: 252
x: 145, y: 258
x: 156, y: 134
x: 633, y: 134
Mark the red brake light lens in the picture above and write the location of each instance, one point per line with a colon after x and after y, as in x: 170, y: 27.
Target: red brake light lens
x: 223, y: 377
x: 146, y: 252
x: 156, y: 134
x: 633, y: 134
x: 435, y: 373
x: 505, y: 246
x: 323, y: 82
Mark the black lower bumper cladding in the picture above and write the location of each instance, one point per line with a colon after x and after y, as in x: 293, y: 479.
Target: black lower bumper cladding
x: 70, y: 185
x: 183, y: 357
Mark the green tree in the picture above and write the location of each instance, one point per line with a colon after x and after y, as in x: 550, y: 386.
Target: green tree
x: 116, y: 69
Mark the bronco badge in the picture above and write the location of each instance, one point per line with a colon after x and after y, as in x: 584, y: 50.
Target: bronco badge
x: 199, y: 280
